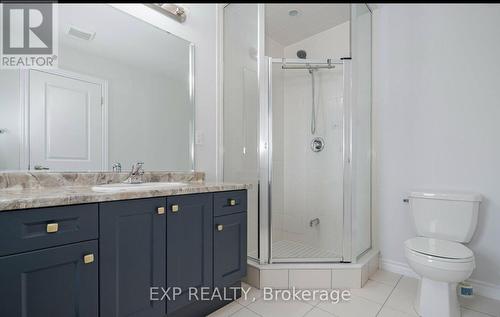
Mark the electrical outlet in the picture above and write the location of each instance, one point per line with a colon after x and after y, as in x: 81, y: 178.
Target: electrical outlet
x: 199, y: 138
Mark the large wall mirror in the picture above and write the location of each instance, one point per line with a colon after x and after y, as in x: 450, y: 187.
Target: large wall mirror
x: 122, y: 93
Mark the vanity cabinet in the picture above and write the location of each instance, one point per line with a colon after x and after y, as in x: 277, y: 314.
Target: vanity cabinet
x: 46, y: 268
x: 230, y: 249
x: 189, y: 246
x: 103, y: 259
x: 132, y: 246
x: 50, y: 282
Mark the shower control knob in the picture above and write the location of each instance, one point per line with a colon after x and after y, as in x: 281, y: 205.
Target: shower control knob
x: 317, y: 144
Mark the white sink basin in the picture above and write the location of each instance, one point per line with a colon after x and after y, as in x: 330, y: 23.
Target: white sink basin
x: 131, y: 187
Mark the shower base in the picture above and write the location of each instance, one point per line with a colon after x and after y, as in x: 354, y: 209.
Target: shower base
x: 313, y: 275
x: 287, y: 249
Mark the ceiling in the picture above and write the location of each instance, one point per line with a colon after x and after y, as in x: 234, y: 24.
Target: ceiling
x: 123, y: 38
x: 313, y: 18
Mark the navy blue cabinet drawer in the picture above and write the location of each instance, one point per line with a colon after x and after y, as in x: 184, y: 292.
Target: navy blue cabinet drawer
x: 226, y: 203
x: 28, y: 230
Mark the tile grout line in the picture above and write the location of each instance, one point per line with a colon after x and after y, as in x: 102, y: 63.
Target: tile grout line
x: 241, y: 308
x: 307, y: 312
x: 326, y: 311
x: 253, y: 311
x: 392, y: 291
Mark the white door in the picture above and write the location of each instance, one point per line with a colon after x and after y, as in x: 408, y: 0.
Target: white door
x: 66, y: 123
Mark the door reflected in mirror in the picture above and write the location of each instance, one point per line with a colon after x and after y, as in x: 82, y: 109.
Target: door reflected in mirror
x: 122, y: 93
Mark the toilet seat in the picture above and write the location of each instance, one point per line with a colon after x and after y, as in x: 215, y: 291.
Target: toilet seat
x: 439, y: 260
x: 439, y: 250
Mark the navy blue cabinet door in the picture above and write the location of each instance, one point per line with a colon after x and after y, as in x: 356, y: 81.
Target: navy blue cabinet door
x: 132, y: 244
x: 189, y: 245
x: 53, y: 282
x: 230, y: 249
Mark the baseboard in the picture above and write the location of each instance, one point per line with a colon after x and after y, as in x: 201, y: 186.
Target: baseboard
x: 397, y: 267
x: 485, y: 289
x: 481, y: 288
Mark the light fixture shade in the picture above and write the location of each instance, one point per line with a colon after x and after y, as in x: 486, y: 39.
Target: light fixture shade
x: 170, y: 10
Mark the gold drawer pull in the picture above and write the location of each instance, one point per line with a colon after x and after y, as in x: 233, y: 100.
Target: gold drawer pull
x: 231, y: 202
x: 52, y: 227
x: 89, y: 258
x: 220, y: 227
x: 175, y: 208
x: 161, y: 210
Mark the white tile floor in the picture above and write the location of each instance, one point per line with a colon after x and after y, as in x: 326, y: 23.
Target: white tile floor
x: 384, y: 295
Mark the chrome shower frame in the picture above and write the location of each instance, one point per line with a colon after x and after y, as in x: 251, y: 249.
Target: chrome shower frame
x: 266, y: 155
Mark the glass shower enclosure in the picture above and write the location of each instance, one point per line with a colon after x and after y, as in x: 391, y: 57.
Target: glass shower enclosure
x: 299, y: 131
x: 307, y: 159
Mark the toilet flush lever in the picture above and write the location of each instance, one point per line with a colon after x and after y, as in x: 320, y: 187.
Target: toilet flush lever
x: 314, y: 222
x: 406, y: 200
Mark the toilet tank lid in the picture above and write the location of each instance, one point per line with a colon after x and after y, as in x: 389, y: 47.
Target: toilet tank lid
x: 446, y: 195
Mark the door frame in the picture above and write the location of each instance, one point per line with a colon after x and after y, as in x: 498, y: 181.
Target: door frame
x: 24, y: 149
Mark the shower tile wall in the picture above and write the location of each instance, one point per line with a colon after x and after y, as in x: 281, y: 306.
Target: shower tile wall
x: 308, y: 185
x: 313, y: 181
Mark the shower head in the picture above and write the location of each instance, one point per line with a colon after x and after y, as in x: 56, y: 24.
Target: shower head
x: 301, y: 54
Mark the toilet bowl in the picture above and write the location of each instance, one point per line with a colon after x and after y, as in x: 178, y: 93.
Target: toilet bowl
x: 441, y: 264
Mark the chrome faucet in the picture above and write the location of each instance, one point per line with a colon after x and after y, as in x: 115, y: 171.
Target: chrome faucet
x: 136, y: 175
x: 117, y: 167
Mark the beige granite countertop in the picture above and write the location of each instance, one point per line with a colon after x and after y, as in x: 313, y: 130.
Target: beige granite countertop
x: 25, y: 198
x: 26, y: 189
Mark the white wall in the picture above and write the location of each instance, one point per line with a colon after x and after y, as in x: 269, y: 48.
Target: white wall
x: 436, y: 118
x: 331, y: 43
x: 200, y: 29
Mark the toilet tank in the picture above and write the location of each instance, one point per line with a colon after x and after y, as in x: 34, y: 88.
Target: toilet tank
x: 445, y: 215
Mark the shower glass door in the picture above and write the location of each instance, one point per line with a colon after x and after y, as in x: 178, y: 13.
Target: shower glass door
x: 241, y: 137
x: 306, y: 114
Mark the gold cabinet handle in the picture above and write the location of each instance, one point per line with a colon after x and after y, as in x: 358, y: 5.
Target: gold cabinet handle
x: 161, y: 210
x: 52, y: 227
x: 220, y: 227
x: 89, y: 258
x: 175, y: 208
x: 231, y: 202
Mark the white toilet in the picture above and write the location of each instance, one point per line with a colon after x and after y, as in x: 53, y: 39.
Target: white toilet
x: 443, y: 221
